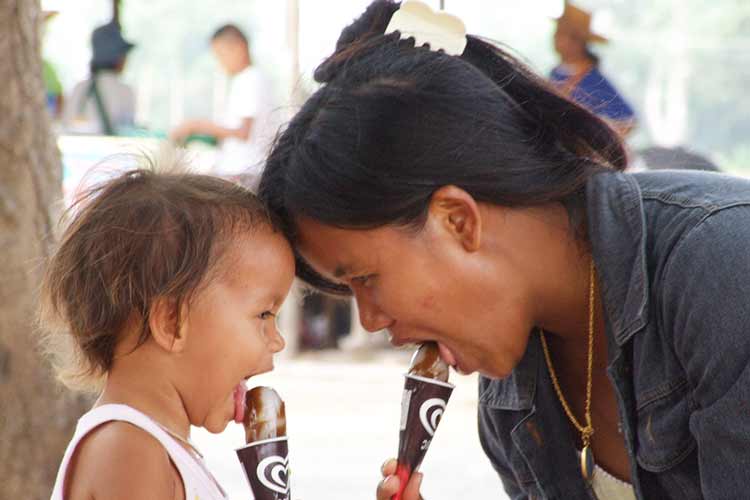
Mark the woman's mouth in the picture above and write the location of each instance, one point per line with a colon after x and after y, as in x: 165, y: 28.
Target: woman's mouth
x: 401, y: 342
x: 450, y: 357
x: 447, y: 355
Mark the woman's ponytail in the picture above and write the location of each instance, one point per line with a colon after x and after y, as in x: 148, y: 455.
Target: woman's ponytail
x: 575, y: 128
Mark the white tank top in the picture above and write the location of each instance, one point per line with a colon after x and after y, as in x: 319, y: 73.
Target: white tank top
x: 608, y: 487
x: 198, y: 482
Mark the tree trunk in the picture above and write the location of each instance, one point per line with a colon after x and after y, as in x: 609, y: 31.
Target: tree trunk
x: 37, y: 417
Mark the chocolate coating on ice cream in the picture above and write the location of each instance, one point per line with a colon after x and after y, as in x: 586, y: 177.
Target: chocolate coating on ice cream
x: 265, y: 417
x: 427, y: 362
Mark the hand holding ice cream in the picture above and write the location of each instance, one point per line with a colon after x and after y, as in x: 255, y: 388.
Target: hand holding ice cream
x: 391, y: 484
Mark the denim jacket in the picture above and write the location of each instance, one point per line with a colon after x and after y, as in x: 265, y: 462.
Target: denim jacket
x: 672, y: 250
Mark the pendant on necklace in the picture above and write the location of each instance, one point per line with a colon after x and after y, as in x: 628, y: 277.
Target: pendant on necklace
x: 587, y: 463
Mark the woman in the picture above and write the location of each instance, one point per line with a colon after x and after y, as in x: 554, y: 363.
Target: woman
x: 462, y: 201
x: 578, y: 75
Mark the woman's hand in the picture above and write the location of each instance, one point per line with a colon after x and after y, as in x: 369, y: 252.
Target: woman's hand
x: 390, y: 483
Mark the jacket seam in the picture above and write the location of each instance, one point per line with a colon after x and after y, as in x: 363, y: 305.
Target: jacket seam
x: 670, y: 461
x: 660, y: 392
x: 709, y: 208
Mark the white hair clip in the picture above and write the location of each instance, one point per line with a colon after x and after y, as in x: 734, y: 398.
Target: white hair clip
x: 438, y: 29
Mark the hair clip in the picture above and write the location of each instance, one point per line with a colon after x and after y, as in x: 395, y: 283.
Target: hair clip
x: 442, y: 31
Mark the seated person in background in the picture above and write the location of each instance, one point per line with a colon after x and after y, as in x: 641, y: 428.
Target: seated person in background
x: 578, y: 75
x: 102, y: 104
x: 245, y: 129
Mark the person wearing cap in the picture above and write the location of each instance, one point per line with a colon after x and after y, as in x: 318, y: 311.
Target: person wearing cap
x: 52, y: 86
x: 578, y: 75
x: 103, y: 103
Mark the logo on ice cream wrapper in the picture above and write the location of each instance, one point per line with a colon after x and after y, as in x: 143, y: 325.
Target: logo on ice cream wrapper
x: 273, y: 473
x: 422, y: 406
x: 430, y: 413
x: 266, y: 466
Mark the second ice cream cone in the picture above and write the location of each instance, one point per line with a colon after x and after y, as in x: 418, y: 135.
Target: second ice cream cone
x: 422, y: 406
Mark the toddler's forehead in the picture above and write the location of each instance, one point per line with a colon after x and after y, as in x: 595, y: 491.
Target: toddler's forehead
x: 251, y: 252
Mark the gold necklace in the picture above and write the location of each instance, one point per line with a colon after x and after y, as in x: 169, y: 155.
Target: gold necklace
x: 587, y: 456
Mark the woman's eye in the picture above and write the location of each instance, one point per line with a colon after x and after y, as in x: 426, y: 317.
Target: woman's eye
x: 363, y: 280
x: 266, y: 315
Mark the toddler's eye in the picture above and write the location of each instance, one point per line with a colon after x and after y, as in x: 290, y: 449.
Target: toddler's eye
x: 266, y: 315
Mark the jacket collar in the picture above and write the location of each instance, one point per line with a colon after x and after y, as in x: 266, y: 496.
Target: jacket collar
x: 616, y: 225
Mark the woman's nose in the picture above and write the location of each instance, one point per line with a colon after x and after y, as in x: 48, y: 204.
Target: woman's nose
x: 373, y: 319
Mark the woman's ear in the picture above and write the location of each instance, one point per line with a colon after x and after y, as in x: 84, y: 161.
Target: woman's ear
x: 165, y: 323
x: 457, y: 212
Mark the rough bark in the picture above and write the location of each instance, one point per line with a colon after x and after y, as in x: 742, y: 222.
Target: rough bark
x: 36, y: 416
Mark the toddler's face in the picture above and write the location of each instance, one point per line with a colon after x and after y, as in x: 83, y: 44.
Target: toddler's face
x: 231, y: 325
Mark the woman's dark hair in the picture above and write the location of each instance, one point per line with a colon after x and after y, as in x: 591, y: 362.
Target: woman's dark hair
x: 141, y: 236
x: 393, y: 123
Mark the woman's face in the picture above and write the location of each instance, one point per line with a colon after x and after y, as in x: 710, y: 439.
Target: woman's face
x: 435, y: 284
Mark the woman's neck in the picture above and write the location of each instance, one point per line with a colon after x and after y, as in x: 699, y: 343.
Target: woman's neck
x: 542, y: 245
x: 563, y: 289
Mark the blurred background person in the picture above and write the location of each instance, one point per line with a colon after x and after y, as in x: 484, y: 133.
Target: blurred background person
x: 103, y: 103
x: 671, y: 158
x: 578, y: 76
x: 246, y: 127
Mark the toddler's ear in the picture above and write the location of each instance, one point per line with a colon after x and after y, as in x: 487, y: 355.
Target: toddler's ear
x: 165, y: 323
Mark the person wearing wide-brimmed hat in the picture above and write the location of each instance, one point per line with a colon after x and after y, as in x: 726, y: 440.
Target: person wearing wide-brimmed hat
x: 103, y: 104
x: 578, y: 75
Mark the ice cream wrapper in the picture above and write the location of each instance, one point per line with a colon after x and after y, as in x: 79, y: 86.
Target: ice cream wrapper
x: 266, y: 466
x: 422, y: 406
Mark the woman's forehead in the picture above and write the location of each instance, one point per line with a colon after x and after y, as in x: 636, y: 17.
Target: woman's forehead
x: 340, y: 251
x: 316, y: 238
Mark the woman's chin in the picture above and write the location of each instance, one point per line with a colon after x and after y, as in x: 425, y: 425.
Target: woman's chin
x: 495, y: 371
